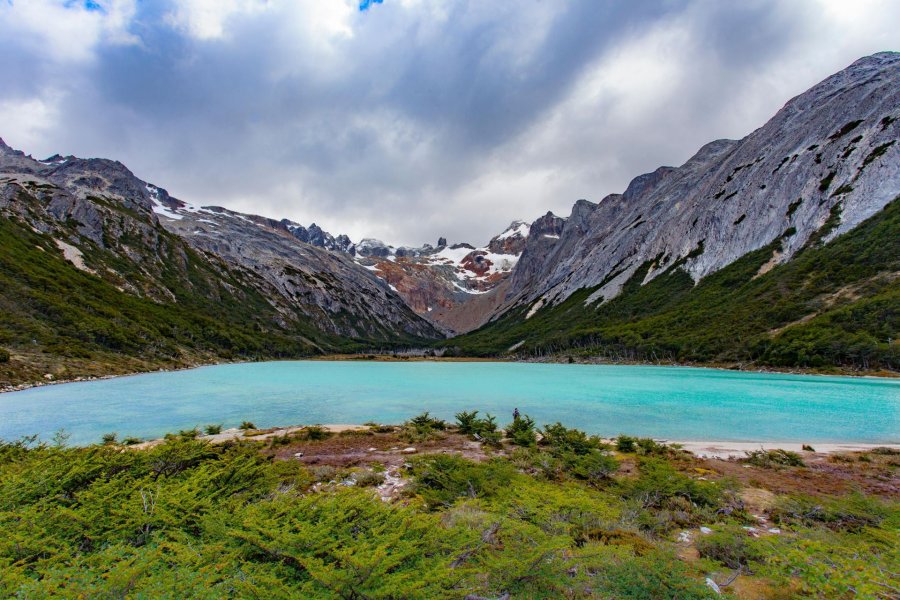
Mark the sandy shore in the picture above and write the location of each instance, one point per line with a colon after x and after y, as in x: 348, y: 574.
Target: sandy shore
x: 703, y: 449
x: 707, y: 449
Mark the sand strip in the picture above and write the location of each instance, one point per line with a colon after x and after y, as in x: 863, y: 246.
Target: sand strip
x: 707, y: 449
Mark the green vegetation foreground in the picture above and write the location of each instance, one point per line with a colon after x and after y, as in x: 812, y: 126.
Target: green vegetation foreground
x: 478, y: 512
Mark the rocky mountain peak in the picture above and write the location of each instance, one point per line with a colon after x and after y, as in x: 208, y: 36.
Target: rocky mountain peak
x: 511, y: 240
x: 824, y: 163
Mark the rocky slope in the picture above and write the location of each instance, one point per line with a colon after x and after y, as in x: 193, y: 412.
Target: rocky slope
x: 130, y: 244
x: 826, y: 162
x: 323, y: 281
x: 782, y: 249
x: 456, y: 287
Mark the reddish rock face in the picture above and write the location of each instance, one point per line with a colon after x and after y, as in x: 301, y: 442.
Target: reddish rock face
x: 477, y: 263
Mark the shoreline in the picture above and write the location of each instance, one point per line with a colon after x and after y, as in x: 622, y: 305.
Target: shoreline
x: 387, y: 358
x: 699, y: 448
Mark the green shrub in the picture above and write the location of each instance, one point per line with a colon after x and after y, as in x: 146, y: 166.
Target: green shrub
x: 657, y: 576
x: 368, y: 478
x: 626, y: 444
x: 247, y: 425
x: 849, y: 513
x: 377, y: 428
x: 109, y: 439
x: 131, y: 441
x: 421, y: 428
x: 213, y: 429
x: 466, y: 422
x: 426, y: 421
x: 650, y: 447
x: 521, y: 431
x: 492, y: 438
x: 4, y: 355
x: 659, y: 482
x: 595, y: 467
x: 189, y: 433
x: 314, y: 433
x: 773, y: 458
x: 731, y: 546
x: 561, y: 439
x: 443, y: 479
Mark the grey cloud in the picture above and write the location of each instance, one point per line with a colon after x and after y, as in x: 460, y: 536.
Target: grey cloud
x: 395, y: 131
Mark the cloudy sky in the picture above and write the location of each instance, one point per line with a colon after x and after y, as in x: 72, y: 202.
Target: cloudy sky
x: 409, y: 119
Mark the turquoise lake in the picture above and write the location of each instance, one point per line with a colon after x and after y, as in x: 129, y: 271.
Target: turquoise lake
x: 674, y: 403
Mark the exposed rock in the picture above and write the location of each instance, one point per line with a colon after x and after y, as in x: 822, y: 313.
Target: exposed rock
x: 830, y: 156
x: 97, y: 209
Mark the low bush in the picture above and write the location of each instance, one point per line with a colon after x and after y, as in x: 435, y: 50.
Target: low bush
x: 770, y: 459
x: 521, y: 431
x: 626, y: 444
x: 731, y: 546
x: 377, y: 428
x: 189, y: 433
x: 425, y: 420
x: 660, y: 576
x: 442, y: 480
x: 659, y: 482
x: 368, y: 478
x: 213, y: 429
x: 4, y: 355
x: 314, y: 433
x: 109, y: 439
x: 594, y: 467
x: 247, y: 425
x: 848, y: 513
x: 469, y: 424
x: 561, y: 439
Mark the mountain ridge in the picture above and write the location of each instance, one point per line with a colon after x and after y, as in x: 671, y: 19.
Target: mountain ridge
x: 826, y: 163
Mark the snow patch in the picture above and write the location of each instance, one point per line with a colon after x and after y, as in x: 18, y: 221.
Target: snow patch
x: 160, y: 208
x: 520, y: 228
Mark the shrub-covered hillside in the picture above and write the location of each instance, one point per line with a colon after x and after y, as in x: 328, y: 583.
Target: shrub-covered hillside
x: 832, y: 305
x: 548, y: 514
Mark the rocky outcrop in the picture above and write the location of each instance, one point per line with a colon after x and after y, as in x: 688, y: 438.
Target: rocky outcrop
x: 100, y: 210
x: 456, y: 287
x: 827, y: 161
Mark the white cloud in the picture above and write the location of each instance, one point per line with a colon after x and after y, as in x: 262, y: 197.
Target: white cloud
x: 212, y: 19
x: 65, y: 32
x: 27, y: 123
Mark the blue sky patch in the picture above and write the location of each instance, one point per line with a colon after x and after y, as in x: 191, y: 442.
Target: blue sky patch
x: 90, y: 5
x: 364, y: 5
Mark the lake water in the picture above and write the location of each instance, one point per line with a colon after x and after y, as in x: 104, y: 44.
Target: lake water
x: 664, y: 402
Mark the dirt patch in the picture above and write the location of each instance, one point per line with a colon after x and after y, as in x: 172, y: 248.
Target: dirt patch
x: 823, y: 474
x: 365, y: 448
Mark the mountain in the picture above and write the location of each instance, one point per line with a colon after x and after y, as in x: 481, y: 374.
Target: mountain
x: 101, y: 271
x: 777, y: 249
x: 455, y: 287
x: 738, y: 226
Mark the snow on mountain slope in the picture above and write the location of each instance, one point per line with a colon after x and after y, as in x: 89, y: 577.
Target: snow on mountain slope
x: 441, y: 284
